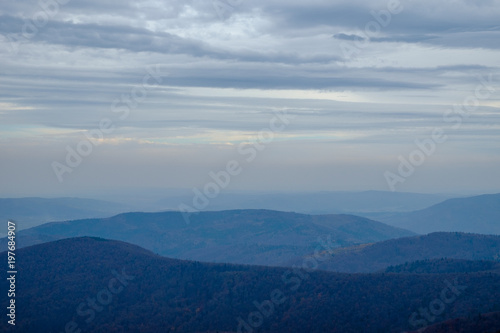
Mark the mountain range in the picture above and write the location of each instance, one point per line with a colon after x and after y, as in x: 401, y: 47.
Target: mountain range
x: 92, y: 284
x: 258, y: 237
x: 353, y: 203
x: 263, y: 237
x: 478, y: 214
x: 141, y: 272
x: 30, y: 212
x: 420, y: 213
x: 378, y: 256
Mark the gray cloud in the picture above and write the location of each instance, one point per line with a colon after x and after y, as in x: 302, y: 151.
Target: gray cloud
x: 351, y: 37
x: 224, y: 79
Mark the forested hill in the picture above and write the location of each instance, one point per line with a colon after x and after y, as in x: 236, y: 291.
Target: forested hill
x: 478, y: 214
x: 108, y: 286
x: 375, y: 257
x: 259, y: 237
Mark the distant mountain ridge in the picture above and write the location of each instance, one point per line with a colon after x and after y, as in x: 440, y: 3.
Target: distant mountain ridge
x: 259, y: 237
x: 379, y: 256
x: 353, y: 203
x: 478, y: 214
x: 30, y: 212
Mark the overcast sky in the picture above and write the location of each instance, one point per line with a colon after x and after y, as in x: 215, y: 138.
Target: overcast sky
x: 344, y: 87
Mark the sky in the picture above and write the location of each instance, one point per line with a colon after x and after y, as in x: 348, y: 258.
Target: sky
x: 249, y: 95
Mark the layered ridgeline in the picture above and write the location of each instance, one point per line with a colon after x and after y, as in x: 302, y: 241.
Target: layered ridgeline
x: 94, y: 285
x: 479, y: 214
x: 379, y: 256
x: 241, y: 236
x: 31, y: 212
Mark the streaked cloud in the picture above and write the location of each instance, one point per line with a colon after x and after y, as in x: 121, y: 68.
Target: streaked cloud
x: 223, y: 79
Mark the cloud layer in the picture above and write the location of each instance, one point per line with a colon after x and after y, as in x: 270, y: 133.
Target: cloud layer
x: 362, y: 79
